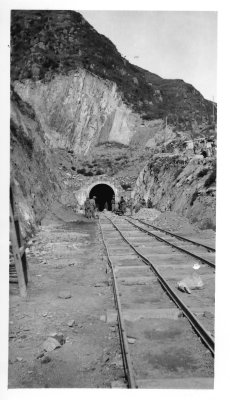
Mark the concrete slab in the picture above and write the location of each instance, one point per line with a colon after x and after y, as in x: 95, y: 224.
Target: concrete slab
x: 140, y: 238
x: 170, y: 260
x: 188, y: 246
x: 208, y: 256
x: 160, y: 313
x: 144, y: 297
x: 124, y: 256
x: 151, y: 246
x: 120, y: 245
x: 128, y: 230
x: 176, y: 383
x: 126, y: 262
x: 137, y: 280
x: 176, y: 275
x: 130, y: 267
x: 156, y: 251
x: 168, y: 349
x: 132, y: 272
x: 201, y: 311
x: 111, y: 235
x: 121, y: 254
x: 168, y: 257
x: 180, y: 269
x: 199, y: 251
x: 115, y: 242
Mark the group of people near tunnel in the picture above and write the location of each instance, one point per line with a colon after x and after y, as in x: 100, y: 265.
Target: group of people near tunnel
x: 119, y: 207
x: 91, y: 207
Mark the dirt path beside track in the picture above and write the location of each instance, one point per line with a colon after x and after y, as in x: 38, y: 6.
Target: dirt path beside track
x: 65, y: 256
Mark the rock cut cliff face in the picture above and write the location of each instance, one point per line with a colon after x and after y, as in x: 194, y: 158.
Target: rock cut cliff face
x: 33, y: 176
x: 80, y: 109
x: 47, y: 43
x: 84, y: 92
x: 186, y: 185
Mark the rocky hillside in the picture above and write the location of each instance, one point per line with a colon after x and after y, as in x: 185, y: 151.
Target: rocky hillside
x: 79, y: 109
x: 186, y: 185
x: 49, y: 43
x: 33, y: 174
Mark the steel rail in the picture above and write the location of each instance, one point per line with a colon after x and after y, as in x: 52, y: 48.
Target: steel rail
x: 172, y: 245
x: 198, y: 327
x: 175, y: 235
x: 129, y: 373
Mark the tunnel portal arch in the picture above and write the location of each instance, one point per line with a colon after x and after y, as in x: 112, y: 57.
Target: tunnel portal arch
x: 84, y: 191
x: 103, y: 193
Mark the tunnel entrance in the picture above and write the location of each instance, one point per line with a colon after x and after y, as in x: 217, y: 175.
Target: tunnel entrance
x: 104, y: 194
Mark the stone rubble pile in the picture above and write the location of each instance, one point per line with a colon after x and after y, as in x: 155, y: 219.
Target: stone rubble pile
x: 148, y: 214
x: 174, y: 222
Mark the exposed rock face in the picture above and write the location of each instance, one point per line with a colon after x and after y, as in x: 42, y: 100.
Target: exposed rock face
x: 33, y: 175
x: 49, y: 43
x: 181, y: 184
x: 80, y: 109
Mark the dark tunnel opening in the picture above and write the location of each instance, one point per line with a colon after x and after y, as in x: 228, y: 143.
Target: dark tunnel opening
x: 104, y: 194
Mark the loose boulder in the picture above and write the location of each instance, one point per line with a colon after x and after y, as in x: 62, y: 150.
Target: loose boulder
x: 189, y: 283
x: 50, y: 344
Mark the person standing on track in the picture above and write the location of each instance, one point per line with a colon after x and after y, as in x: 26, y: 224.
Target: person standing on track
x: 138, y: 206
x: 113, y: 203
x: 150, y: 203
x: 143, y: 202
x: 122, y: 205
x: 87, y: 207
x: 92, y: 207
x: 131, y: 206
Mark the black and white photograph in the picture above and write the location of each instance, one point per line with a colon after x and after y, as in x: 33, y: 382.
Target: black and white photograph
x: 112, y: 198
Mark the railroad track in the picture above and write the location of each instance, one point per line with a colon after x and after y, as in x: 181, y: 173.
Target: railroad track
x: 199, y: 251
x: 164, y: 231
x: 166, y: 336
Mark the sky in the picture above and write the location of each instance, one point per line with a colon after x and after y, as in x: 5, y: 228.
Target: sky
x: 172, y: 44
